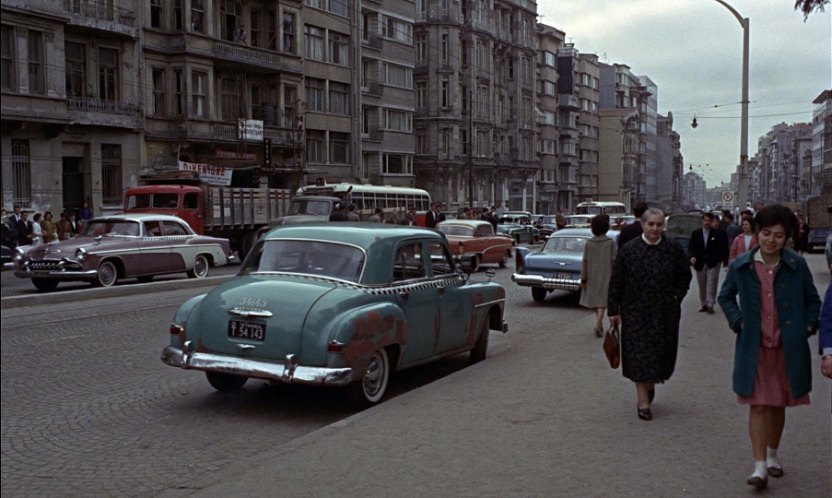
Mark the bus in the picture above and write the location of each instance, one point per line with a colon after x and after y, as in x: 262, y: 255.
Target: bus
x: 396, y: 202
x: 598, y: 207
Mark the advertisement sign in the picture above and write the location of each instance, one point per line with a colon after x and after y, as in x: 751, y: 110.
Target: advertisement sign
x: 250, y: 129
x: 212, y: 175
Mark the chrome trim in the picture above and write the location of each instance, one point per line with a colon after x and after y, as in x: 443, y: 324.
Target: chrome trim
x: 546, y: 283
x: 245, y: 347
x: 288, y: 372
x: 58, y: 275
x: 489, y: 303
x: 250, y: 312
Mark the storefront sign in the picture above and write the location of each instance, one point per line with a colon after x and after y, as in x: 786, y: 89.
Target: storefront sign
x: 212, y: 175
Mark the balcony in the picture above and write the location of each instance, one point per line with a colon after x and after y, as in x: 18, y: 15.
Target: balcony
x: 101, y: 15
x: 89, y: 110
x: 256, y: 57
x: 569, y: 102
x: 375, y: 41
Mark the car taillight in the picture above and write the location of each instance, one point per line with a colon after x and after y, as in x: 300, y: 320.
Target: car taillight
x: 176, y: 329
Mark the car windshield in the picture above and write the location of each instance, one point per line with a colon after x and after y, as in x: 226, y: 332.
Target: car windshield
x: 309, y: 206
x: 560, y: 245
x: 456, y: 230
x: 94, y: 228
x: 310, y: 257
x: 681, y: 226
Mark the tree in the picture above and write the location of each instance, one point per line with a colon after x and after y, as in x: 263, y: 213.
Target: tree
x: 808, y: 6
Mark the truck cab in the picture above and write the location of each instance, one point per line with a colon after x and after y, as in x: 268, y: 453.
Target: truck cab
x: 184, y: 201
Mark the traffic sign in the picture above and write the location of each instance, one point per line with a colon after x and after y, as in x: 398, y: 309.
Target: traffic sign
x: 727, y: 196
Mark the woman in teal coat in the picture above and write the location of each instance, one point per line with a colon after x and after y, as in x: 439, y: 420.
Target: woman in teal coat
x: 777, y: 312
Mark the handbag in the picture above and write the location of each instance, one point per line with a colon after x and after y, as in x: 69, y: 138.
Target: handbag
x: 612, y: 346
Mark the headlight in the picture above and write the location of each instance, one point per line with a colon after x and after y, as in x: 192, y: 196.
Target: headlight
x: 18, y: 254
x: 80, y: 254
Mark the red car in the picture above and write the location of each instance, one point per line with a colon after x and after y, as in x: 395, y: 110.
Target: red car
x: 476, y: 240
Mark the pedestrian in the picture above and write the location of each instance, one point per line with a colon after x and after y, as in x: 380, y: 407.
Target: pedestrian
x: 825, y: 334
x: 650, y: 278
x: 730, y: 227
x: 64, y: 227
x: 632, y: 230
x: 492, y: 217
x: 37, y: 230
x: 432, y: 216
x: 708, y: 251
x: 596, y: 270
x: 560, y: 219
x: 8, y: 230
x: 84, y: 213
x: 744, y: 241
x: 339, y: 212
x: 19, y: 225
x: 50, y: 230
x: 801, y: 235
x: 377, y: 216
x: 351, y: 214
x: 777, y: 312
x: 28, y: 229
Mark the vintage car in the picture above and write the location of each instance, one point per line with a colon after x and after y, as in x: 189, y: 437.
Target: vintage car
x: 817, y: 239
x: 579, y: 220
x: 680, y: 226
x: 125, y: 246
x: 519, y: 227
x: 476, y: 241
x: 556, y: 266
x: 343, y: 305
x: 546, y: 224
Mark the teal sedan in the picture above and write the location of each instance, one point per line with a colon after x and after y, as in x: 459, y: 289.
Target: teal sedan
x: 337, y: 304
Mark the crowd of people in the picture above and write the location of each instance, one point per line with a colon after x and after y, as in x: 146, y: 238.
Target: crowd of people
x: 768, y: 297
x: 42, y: 228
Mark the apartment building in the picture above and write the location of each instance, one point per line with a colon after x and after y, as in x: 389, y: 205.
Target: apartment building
x: 550, y: 197
x: 821, y: 173
x: 784, y: 159
x: 476, y: 104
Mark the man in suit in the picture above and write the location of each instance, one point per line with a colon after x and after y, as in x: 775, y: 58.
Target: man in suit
x: 632, y: 230
x: 708, y: 252
x: 432, y: 216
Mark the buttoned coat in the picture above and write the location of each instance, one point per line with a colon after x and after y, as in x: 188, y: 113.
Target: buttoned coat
x: 596, y: 270
x: 716, y: 251
x: 798, y: 306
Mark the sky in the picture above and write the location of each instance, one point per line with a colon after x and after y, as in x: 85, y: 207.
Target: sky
x: 692, y: 50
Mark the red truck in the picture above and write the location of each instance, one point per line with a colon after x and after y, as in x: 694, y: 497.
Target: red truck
x: 228, y: 212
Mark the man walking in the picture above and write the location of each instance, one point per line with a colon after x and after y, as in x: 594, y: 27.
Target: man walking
x: 708, y: 251
x: 632, y: 230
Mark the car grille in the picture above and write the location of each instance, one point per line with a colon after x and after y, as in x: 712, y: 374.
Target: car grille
x: 52, y: 265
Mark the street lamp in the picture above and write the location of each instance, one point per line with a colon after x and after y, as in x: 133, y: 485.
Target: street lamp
x: 742, y: 195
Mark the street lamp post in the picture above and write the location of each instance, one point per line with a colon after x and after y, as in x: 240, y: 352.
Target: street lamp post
x: 742, y: 194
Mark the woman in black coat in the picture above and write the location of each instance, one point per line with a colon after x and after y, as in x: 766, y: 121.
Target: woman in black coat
x: 650, y: 278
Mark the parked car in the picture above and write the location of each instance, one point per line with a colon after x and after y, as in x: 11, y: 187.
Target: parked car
x: 127, y: 246
x: 476, y: 241
x: 547, y: 225
x: 555, y: 266
x: 336, y: 305
x: 619, y: 221
x: 817, y: 238
x: 679, y: 227
x: 519, y: 227
x: 579, y: 220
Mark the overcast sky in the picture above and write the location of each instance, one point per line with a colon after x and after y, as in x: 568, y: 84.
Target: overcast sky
x: 692, y: 50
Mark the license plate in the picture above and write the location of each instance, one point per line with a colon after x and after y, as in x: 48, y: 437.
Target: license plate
x: 253, y: 331
x: 40, y: 273
x: 562, y: 275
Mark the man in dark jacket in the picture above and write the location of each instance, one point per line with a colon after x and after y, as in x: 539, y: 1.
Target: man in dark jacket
x: 708, y: 251
x: 632, y: 230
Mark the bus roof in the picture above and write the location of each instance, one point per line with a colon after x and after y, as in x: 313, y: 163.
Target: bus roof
x: 342, y: 188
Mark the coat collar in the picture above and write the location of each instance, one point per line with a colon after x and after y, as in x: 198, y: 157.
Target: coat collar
x: 788, y: 258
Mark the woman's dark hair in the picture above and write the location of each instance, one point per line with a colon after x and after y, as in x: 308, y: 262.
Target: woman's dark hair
x: 775, y: 214
x: 36, y: 217
x: 600, y: 224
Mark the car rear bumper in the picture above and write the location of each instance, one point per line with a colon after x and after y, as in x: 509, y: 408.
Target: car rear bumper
x: 56, y: 274
x: 546, y: 283
x: 288, y: 372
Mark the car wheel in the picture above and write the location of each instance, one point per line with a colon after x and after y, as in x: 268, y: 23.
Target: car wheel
x: 45, y: 284
x: 373, y: 384
x: 225, y: 382
x: 144, y: 279
x: 504, y: 260
x: 539, y: 294
x: 107, y: 274
x: 481, y: 347
x: 200, y: 269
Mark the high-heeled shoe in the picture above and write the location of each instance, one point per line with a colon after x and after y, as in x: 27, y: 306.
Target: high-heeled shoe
x: 599, y: 332
x: 645, y: 414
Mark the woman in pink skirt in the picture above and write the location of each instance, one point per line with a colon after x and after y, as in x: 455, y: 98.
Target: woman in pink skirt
x: 777, y: 312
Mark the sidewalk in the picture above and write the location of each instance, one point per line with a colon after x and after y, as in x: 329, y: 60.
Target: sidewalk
x: 545, y: 416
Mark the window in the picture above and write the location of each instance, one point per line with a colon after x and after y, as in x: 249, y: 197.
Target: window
x: 155, y: 13
x: 159, y: 92
x: 21, y: 173
x: 445, y: 141
x: 178, y: 93
x: 7, y: 51
x: 548, y: 118
x: 36, y: 80
x: 339, y: 7
x: 289, y: 32
x: 339, y: 98
x: 315, y: 150
x: 396, y: 120
x: 197, y: 16
x: 108, y: 74
x: 198, y: 80
x: 254, y: 24
x: 338, y: 46
x: 463, y: 139
x: 314, y: 42
x: 421, y: 94
x: 315, y: 97
x: 230, y: 19
x: 76, y: 73
x: 177, y: 15
x: 421, y: 141
x: 290, y: 95
x: 421, y: 48
x: 398, y: 164
x: 547, y: 88
x: 398, y: 75
x: 318, y: 4
x: 228, y: 100
x: 445, y: 97
x: 409, y: 262
x: 111, y: 174
x: 396, y: 29
x: 549, y: 58
x: 444, y: 48
x: 441, y: 262
x: 339, y: 147
x: 548, y: 146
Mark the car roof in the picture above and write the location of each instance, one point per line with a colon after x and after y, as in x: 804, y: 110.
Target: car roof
x: 469, y: 223
x: 361, y: 234
x: 138, y: 217
x: 581, y: 232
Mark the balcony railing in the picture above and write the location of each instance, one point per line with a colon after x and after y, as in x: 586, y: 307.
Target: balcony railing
x: 101, y: 10
x: 261, y: 57
x: 90, y: 104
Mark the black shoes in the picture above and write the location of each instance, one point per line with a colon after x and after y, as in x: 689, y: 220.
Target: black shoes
x: 710, y: 310
x: 758, y: 482
x: 775, y: 471
x: 645, y: 414
x: 703, y: 308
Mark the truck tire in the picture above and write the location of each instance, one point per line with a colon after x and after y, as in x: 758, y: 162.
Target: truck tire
x: 246, y: 244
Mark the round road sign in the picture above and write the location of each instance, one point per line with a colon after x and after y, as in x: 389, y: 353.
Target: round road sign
x: 727, y: 196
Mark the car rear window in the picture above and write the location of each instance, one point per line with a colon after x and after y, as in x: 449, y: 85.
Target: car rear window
x: 565, y: 245
x: 456, y: 230
x: 307, y: 257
